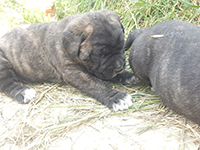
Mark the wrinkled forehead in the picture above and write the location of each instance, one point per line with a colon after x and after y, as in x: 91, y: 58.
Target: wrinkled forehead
x: 106, y: 20
x: 107, y: 30
x: 109, y: 40
x: 108, y: 36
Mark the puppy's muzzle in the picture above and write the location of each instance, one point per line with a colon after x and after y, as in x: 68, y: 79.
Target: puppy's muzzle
x: 111, y: 66
x: 119, y: 66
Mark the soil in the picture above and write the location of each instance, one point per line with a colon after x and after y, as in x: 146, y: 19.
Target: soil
x: 65, y: 119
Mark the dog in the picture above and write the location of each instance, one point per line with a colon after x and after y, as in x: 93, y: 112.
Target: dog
x: 81, y: 50
x: 167, y: 57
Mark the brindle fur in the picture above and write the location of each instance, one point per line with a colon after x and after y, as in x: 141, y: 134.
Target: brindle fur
x: 81, y: 50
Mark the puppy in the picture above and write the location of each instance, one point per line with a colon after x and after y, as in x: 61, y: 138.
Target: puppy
x: 81, y: 50
x: 167, y: 57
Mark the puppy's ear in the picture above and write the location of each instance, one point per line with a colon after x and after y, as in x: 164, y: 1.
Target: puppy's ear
x: 86, y: 47
x: 132, y: 36
x: 71, y: 41
x: 129, y: 41
x: 76, y: 40
x: 114, y: 18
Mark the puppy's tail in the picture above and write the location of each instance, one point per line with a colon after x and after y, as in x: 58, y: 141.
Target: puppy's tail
x: 131, y: 37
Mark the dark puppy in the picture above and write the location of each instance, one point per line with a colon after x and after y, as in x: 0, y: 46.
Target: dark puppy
x: 167, y: 57
x: 80, y: 50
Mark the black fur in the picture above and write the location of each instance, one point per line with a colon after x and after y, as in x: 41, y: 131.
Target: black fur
x: 167, y: 57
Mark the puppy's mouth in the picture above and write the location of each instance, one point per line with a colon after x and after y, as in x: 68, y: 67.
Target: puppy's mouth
x: 120, y: 69
x: 109, y: 72
x: 107, y: 67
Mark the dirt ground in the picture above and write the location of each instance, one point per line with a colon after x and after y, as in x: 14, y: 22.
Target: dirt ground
x: 119, y: 133
x: 62, y: 118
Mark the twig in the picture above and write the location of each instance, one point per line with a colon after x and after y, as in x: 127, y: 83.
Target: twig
x: 194, y: 132
x: 43, y: 94
x: 74, y: 122
x: 34, y: 103
x: 168, y: 113
x: 182, y: 145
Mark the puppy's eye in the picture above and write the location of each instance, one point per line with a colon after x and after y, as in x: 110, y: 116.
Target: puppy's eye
x: 96, y: 56
x: 105, y: 51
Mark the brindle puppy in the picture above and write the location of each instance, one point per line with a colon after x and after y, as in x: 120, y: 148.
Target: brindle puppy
x: 80, y: 50
x: 167, y: 57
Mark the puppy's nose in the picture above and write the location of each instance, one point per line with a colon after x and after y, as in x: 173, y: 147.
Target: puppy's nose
x: 119, y: 67
x: 118, y: 70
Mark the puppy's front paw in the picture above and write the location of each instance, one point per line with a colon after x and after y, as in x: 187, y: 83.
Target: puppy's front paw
x: 121, y: 101
x: 26, y: 95
x: 126, y: 78
x: 131, y: 80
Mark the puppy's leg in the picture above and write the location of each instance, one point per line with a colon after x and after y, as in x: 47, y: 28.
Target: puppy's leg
x: 126, y: 78
x: 10, y: 86
x: 95, y: 88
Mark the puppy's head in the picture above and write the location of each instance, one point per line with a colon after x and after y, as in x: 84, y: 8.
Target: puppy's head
x: 95, y: 40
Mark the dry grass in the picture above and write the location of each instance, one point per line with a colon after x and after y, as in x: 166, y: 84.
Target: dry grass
x: 60, y: 108
x: 56, y: 110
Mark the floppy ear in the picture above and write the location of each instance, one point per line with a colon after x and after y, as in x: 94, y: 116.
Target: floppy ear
x: 86, y: 47
x: 132, y: 36
x: 114, y: 18
x: 129, y: 41
x: 76, y: 41
x: 71, y: 42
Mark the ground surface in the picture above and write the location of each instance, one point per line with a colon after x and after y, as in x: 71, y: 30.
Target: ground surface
x: 63, y: 118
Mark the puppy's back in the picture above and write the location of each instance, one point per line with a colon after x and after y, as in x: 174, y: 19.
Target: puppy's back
x: 170, y: 63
